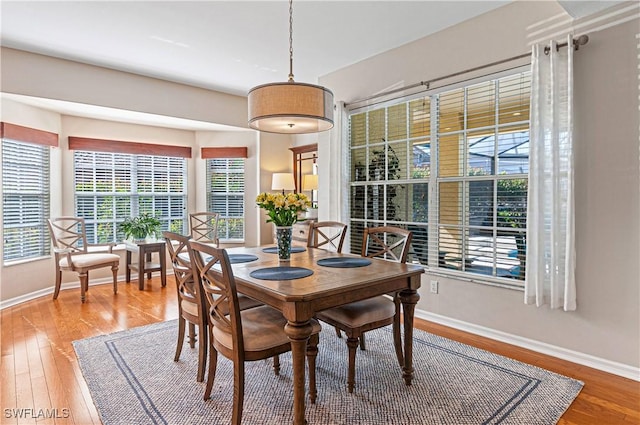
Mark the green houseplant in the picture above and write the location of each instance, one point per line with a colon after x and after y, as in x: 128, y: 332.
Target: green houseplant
x: 140, y: 227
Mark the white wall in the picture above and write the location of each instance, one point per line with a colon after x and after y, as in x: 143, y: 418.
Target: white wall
x: 43, y: 76
x: 606, y: 324
x: 275, y: 157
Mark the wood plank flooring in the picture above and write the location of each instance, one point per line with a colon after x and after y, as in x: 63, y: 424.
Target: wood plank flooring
x: 39, y: 370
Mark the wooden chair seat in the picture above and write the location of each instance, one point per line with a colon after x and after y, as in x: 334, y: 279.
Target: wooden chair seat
x: 89, y: 260
x: 189, y: 307
x: 262, y: 329
x: 361, y: 313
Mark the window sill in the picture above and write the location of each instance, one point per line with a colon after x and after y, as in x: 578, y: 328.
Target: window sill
x: 476, y: 278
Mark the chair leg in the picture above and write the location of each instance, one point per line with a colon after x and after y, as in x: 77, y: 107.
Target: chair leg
x: 312, y: 353
x: 238, y: 393
x: 213, y: 363
x: 362, y: 345
x: 84, y: 282
x: 192, y: 335
x: 352, y: 343
x: 338, y: 332
x: 202, y: 350
x: 58, y: 283
x: 180, y: 338
x: 276, y: 365
x: 114, y: 271
x: 397, y: 338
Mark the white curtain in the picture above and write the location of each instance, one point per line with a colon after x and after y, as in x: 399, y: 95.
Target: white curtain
x: 550, y: 268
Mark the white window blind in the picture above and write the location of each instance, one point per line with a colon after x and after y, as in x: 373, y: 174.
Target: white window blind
x: 390, y: 171
x: 452, y: 167
x: 110, y: 187
x: 25, y: 200
x: 225, y: 196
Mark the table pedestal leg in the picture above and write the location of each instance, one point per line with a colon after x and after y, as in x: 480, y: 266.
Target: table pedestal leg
x: 298, y: 334
x: 409, y: 299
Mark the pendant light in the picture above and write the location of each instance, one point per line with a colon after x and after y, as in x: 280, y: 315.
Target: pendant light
x: 290, y: 107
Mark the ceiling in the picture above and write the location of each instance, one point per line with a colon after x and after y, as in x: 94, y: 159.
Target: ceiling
x: 229, y: 46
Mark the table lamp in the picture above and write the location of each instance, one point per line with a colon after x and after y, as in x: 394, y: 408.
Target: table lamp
x: 282, y: 181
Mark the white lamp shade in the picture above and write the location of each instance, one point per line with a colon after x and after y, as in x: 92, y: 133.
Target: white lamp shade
x: 310, y: 182
x: 282, y: 181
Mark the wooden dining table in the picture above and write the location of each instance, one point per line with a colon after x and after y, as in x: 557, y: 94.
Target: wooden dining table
x: 300, y: 299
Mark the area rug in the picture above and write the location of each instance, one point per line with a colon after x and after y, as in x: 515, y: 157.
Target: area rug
x: 133, y: 380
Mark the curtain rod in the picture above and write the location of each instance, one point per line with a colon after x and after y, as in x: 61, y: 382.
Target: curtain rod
x: 577, y: 42
x: 580, y: 41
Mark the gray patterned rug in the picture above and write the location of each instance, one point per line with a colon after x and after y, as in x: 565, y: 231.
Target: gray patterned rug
x: 133, y: 380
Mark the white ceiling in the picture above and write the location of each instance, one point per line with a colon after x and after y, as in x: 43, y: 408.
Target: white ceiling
x: 228, y: 46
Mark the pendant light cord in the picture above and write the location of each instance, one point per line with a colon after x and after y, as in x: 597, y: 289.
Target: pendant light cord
x: 291, y: 41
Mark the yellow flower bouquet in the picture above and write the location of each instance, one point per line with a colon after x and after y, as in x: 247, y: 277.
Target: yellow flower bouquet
x: 283, y: 209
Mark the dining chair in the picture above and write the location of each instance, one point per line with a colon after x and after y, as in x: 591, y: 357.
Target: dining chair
x: 204, y: 227
x: 240, y: 335
x: 71, y: 252
x: 391, y: 243
x: 191, y: 304
x: 327, y: 235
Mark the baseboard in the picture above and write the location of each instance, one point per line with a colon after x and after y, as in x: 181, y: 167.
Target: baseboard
x: 69, y: 285
x: 604, y: 365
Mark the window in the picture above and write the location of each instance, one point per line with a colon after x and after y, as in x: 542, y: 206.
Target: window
x: 225, y: 195
x: 25, y: 200
x: 452, y: 167
x: 111, y: 186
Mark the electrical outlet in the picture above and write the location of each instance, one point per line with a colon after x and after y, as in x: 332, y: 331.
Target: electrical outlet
x: 434, y: 286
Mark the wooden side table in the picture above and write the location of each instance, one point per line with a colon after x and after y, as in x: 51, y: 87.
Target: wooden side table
x: 144, y: 265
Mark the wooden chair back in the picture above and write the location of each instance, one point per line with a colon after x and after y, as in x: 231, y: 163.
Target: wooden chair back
x: 215, y: 277
x: 204, y: 227
x: 178, y: 248
x: 68, y: 233
x: 389, y: 242
x: 327, y: 235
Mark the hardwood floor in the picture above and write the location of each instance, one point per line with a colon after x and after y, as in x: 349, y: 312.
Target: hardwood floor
x: 39, y: 369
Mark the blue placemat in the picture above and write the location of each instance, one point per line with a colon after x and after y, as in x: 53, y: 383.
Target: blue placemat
x: 281, y: 273
x: 242, y: 258
x: 274, y: 249
x: 344, y: 262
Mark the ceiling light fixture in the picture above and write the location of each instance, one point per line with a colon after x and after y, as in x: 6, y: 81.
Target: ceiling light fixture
x: 290, y: 107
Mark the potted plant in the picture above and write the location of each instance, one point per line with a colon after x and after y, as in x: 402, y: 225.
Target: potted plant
x: 140, y: 227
